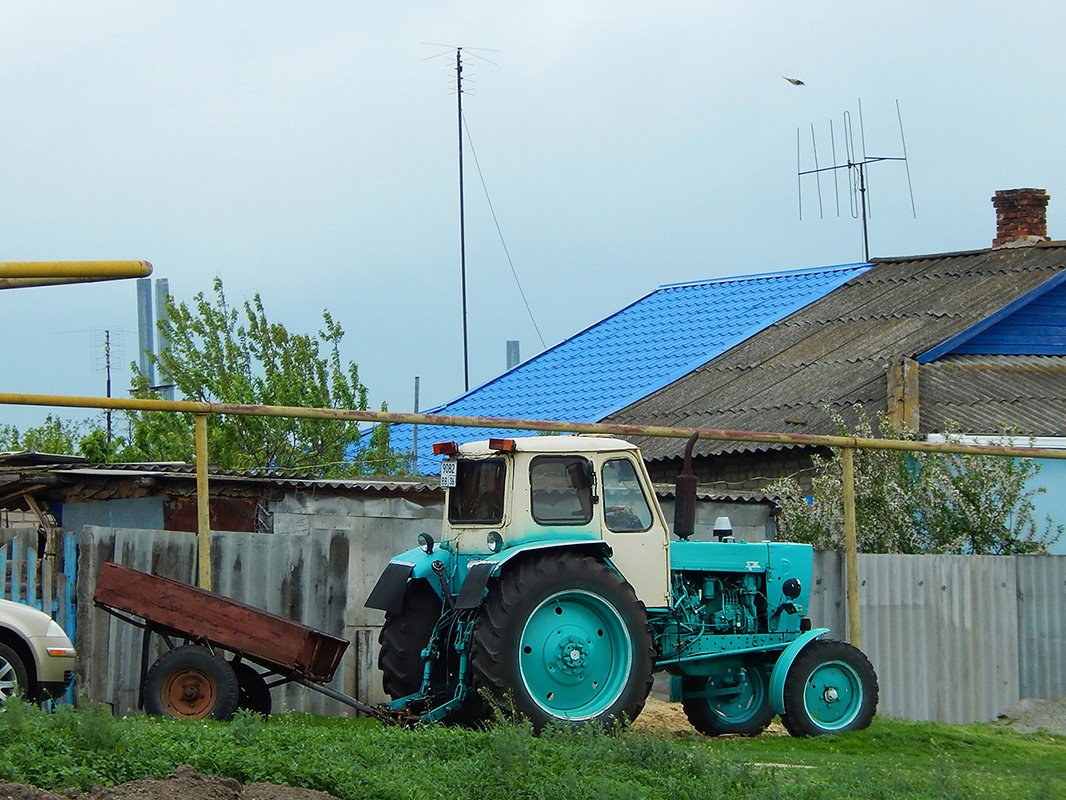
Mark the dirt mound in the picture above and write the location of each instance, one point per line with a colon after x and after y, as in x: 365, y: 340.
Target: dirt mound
x: 185, y: 784
x: 1033, y: 716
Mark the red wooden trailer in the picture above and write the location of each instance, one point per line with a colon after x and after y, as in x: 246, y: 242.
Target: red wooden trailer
x: 212, y: 642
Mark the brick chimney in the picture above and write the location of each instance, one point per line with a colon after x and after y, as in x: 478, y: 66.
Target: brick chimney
x: 1021, y: 217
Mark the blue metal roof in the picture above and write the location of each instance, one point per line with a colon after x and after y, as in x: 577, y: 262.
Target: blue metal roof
x: 648, y: 344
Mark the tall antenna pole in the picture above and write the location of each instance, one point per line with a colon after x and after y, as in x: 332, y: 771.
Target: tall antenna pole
x: 462, y: 214
x: 107, y: 369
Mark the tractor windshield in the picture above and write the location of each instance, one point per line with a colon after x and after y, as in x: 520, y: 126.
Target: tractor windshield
x: 477, y: 497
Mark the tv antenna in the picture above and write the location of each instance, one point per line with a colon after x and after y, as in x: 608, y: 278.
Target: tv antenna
x: 462, y: 201
x: 105, y: 349
x: 857, y: 162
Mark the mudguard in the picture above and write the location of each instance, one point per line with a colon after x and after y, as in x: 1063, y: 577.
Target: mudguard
x: 468, y: 575
x: 784, y: 663
x: 479, y: 572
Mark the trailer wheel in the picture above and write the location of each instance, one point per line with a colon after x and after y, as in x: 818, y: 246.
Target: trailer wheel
x: 563, y: 637
x: 830, y: 688
x: 191, y: 682
x: 735, y: 700
x: 13, y: 677
x: 253, y: 694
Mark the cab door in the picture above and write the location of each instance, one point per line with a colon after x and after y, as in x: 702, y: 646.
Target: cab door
x: 634, y: 527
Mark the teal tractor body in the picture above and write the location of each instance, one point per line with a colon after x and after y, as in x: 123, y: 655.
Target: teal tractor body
x: 553, y: 591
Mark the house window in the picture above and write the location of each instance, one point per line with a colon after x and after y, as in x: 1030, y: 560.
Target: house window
x: 625, y: 508
x: 477, y: 497
x: 561, y: 489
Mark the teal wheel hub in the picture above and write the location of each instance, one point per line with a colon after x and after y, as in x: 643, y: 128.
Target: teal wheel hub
x: 737, y: 695
x: 575, y: 654
x: 833, y: 695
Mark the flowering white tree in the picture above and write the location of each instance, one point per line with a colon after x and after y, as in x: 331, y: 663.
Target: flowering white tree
x: 918, y: 502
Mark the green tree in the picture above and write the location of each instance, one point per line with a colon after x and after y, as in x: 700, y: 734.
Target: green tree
x: 917, y: 502
x: 218, y: 353
x: 55, y: 435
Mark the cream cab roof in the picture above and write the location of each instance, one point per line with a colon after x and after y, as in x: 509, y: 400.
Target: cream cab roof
x: 553, y: 444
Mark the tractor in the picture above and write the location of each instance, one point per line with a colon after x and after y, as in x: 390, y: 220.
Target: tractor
x: 554, y: 592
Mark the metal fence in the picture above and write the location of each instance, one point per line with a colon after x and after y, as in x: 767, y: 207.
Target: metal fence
x: 953, y: 638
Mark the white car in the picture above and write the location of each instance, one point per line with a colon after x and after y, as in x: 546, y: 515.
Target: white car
x: 36, y: 657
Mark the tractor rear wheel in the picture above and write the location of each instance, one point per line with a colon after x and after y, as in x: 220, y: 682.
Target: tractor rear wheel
x: 191, y: 682
x: 563, y: 637
x: 404, y: 636
x: 734, y: 700
x: 830, y: 688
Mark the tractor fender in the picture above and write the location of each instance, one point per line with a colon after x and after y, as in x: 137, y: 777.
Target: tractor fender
x: 388, y: 593
x: 784, y: 662
x: 481, y: 571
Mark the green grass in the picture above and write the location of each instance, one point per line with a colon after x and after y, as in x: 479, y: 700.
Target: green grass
x: 361, y: 759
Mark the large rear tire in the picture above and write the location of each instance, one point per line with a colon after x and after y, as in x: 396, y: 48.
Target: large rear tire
x: 563, y: 637
x: 735, y: 700
x: 404, y: 636
x: 191, y: 682
x: 830, y: 688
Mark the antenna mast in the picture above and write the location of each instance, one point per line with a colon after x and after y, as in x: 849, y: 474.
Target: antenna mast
x: 462, y: 214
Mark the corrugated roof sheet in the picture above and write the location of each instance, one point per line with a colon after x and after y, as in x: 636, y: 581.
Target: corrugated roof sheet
x: 14, y: 471
x: 836, y: 352
x: 645, y: 346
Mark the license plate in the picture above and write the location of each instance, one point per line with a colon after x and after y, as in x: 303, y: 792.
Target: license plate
x: 447, y: 474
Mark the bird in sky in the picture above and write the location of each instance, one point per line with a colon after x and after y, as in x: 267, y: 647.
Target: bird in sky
x: 794, y: 81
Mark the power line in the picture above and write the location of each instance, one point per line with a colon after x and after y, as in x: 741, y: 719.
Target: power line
x: 503, y: 242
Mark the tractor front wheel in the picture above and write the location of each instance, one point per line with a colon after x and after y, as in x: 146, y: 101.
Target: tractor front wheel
x: 191, y: 682
x: 735, y: 700
x: 830, y: 688
x: 563, y: 637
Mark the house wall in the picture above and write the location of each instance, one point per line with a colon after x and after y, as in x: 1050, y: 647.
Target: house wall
x: 742, y: 472
x: 132, y: 512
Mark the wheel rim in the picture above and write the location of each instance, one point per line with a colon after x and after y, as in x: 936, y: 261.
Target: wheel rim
x: 736, y: 696
x: 189, y: 692
x: 575, y: 654
x: 9, y: 684
x: 833, y: 695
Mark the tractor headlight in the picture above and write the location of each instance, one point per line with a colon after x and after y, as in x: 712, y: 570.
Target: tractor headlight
x: 495, y: 541
x: 425, y: 541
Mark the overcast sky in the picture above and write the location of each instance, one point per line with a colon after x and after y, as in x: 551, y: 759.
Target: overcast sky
x: 307, y: 151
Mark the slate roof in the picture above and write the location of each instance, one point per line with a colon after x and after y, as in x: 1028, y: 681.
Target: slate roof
x: 647, y: 345
x: 836, y: 351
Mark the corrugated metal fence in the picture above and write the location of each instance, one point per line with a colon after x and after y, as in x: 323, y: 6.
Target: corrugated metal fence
x: 954, y: 638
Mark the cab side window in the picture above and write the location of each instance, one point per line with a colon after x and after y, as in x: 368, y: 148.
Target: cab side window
x: 625, y: 508
x: 561, y: 490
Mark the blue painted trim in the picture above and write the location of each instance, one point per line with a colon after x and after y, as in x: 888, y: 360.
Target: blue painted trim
x: 782, y: 665
x: 961, y: 338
